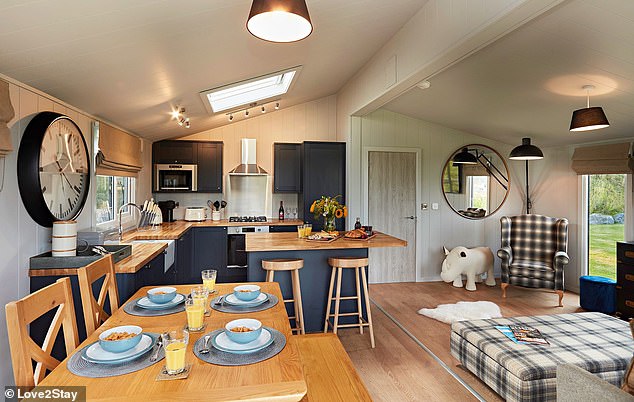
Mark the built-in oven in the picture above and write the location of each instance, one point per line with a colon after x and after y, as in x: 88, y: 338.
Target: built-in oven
x: 175, y: 177
x: 236, y: 255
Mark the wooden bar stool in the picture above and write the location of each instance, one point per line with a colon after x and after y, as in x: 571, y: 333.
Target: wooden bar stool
x: 270, y: 266
x: 338, y: 264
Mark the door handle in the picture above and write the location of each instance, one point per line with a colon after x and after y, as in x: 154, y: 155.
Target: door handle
x: 410, y: 217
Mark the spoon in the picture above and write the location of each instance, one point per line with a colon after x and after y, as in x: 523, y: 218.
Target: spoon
x: 205, y: 348
x: 220, y: 301
x: 159, y: 344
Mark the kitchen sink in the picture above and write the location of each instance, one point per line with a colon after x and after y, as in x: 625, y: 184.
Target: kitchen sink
x: 83, y: 258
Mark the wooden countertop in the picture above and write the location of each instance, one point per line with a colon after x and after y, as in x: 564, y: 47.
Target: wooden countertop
x: 289, y: 241
x: 141, y: 254
x: 174, y: 230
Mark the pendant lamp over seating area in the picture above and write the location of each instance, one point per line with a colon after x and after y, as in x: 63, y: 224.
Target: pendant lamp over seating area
x: 279, y: 21
x: 589, y: 118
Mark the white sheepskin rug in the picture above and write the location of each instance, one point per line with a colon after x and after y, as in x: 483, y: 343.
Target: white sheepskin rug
x: 462, y: 311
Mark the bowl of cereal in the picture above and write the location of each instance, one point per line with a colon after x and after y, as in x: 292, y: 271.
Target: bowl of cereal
x: 161, y: 295
x: 120, y: 339
x: 246, y: 292
x: 243, y: 330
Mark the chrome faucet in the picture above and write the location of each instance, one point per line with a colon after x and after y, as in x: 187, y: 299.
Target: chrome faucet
x: 129, y: 204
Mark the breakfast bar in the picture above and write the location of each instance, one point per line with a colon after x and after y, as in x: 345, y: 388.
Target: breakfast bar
x: 315, y: 276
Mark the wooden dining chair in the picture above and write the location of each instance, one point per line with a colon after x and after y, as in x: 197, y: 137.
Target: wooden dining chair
x: 23, y: 348
x: 94, y: 313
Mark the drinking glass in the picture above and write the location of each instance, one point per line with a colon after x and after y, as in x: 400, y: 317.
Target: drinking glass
x: 300, y: 231
x: 308, y: 229
x: 199, y: 295
x: 195, y: 315
x: 209, y: 279
x: 175, y: 344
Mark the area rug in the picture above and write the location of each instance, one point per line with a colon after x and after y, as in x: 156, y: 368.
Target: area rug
x: 462, y: 311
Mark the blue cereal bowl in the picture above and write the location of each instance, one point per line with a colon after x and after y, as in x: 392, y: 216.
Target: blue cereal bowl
x: 119, y: 346
x: 161, y: 295
x: 246, y: 292
x: 252, y: 329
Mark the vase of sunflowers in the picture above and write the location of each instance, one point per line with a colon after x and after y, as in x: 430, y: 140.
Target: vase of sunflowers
x: 329, y: 208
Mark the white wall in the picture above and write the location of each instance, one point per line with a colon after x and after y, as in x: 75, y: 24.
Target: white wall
x: 442, y: 227
x: 21, y: 237
x: 310, y: 121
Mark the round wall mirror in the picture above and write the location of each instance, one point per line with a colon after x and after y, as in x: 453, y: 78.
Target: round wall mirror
x: 475, y: 181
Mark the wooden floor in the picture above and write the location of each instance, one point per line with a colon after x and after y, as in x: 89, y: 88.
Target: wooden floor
x: 400, y: 370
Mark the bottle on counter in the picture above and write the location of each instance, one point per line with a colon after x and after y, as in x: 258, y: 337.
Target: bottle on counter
x: 357, y: 224
x: 281, y: 211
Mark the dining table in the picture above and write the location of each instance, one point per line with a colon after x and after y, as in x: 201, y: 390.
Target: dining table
x: 279, y: 378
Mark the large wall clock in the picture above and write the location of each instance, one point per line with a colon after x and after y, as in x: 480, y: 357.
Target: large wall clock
x: 53, y: 168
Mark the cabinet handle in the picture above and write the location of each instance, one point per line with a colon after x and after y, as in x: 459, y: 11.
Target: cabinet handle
x: 629, y: 277
x: 629, y: 303
x: 629, y: 254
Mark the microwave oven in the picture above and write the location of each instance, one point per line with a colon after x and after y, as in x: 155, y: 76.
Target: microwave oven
x: 175, y: 178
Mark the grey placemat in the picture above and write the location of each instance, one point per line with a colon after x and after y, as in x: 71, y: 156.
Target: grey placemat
x: 221, y: 358
x: 132, y: 309
x: 228, y: 308
x: 78, y: 366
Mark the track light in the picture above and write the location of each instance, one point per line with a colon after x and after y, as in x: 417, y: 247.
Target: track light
x: 263, y: 109
x: 230, y: 117
x: 246, y: 112
x: 277, y: 105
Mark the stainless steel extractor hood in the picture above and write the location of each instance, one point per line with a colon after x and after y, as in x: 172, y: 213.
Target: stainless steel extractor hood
x: 248, y: 165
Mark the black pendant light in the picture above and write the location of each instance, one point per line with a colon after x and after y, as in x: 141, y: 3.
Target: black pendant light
x: 279, y: 20
x: 464, y: 157
x: 589, y: 118
x: 526, y: 152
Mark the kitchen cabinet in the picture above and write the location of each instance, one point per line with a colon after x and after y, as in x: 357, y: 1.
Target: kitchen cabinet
x: 287, y: 168
x: 323, y: 173
x: 210, y: 252
x: 282, y: 229
x: 184, y: 257
x: 183, y: 152
x: 210, y: 167
x: 152, y: 273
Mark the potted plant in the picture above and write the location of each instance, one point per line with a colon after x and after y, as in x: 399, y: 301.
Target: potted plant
x: 329, y: 208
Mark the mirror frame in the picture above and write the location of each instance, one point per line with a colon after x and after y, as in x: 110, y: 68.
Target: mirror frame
x: 442, y: 176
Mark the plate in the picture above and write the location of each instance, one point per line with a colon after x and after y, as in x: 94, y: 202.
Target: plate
x: 144, y: 302
x: 95, y: 354
x: 234, y: 301
x: 223, y: 343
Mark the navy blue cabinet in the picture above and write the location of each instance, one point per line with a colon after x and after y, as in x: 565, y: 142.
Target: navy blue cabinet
x: 287, y: 172
x: 210, y: 252
x: 152, y: 273
x: 210, y: 167
x: 282, y: 229
x: 184, y: 257
x: 323, y: 173
x: 184, y: 152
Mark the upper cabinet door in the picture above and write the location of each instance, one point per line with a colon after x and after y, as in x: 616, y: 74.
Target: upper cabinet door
x: 183, y: 152
x: 210, y: 167
x: 287, y: 168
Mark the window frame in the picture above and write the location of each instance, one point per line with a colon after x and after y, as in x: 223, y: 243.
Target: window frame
x: 126, y: 216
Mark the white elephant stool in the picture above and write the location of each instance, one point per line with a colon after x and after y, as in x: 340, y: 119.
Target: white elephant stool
x: 471, y: 262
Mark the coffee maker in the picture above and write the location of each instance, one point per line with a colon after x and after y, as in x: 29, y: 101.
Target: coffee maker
x: 167, y: 210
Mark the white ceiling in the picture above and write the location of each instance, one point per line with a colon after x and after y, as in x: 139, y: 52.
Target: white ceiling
x: 130, y: 62
x: 528, y: 83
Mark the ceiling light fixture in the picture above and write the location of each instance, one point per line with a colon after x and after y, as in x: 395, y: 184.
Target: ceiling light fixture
x: 178, y: 114
x: 246, y: 112
x: 588, y: 118
x: 280, y: 21
x: 230, y: 117
x: 263, y: 109
x: 424, y: 84
x: 277, y: 106
x: 526, y: 152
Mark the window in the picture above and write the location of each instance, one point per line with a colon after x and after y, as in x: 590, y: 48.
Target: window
x: 250, y: 91
x: 112, y: 193
x: 478, y: 191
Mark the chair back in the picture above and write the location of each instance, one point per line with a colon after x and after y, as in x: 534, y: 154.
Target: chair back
x: 534, y: 237
x: 24, y: 350
x: 94, y: 313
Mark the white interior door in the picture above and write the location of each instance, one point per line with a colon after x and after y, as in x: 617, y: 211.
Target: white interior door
x: 392, y: 205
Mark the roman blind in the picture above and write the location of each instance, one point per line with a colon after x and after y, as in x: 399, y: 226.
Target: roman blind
x: 603, y: 159
x: 474, y: 170
x: 6, y: 114
x: 119, y: 152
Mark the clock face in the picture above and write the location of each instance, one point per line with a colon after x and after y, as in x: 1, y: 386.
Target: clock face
x: 63, y: 169
x: 53, y: 168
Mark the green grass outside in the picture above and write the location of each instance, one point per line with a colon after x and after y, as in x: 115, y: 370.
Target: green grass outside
x: 603, y: 238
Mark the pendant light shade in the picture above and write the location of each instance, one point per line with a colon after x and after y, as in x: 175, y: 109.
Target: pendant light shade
x: 465, y: 157
x: 279, y: 20
x: 590, y: 118
x: 526, y: 151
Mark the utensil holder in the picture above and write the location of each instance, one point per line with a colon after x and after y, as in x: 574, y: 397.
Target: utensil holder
x: 215, y: 216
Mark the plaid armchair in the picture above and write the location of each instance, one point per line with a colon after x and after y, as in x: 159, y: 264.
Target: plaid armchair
x: 534, y: 252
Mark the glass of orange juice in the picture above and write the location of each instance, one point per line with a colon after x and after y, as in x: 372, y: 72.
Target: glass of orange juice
x: 195, y: 315
x: 209, y: 279
x: 199, y: 295
x: 175, y: 344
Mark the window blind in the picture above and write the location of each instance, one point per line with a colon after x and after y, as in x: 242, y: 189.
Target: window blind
x: 119, y: 153
x: 603, y: 159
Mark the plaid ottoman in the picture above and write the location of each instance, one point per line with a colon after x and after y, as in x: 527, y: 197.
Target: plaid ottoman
x: 595, y: 342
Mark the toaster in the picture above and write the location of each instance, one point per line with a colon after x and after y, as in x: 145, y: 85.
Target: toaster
x: 195, y: 214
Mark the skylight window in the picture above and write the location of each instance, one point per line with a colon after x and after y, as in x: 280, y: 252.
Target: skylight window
x: 244, y: 93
